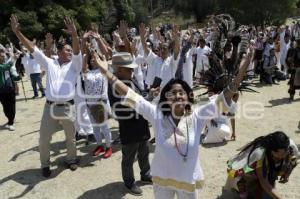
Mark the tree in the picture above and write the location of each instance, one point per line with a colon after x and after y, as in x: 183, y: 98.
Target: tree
x: 258, y: 12
x: 199, y: 8
x: 38, y: 17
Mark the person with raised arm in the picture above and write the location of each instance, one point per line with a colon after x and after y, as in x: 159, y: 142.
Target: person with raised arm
x: 176, y: 168
x: 60, y: 88
x: 165, y: 65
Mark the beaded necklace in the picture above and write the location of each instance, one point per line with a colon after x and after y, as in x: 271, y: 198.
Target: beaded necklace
x: 183, y: 155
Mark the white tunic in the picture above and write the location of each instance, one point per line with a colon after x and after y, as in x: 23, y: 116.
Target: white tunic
x: 157, y: 67
x: 169, y: 167
x: 202, y: 63
x: 188, y: 69
x: 284, y: 47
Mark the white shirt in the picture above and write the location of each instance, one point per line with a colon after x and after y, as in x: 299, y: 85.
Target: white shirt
x: 61, y: 79
x: 138, y: 71
x: 188, y: 69
x: 284, y: 47
x: 168, y: 167
x: 30, y: 64
x: 202, y: 59
x: 95, y: 86
x: 157, y: 67
x: 154, y: 64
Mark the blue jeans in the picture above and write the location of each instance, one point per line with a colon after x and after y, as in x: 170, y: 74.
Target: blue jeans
x: 37, y: 80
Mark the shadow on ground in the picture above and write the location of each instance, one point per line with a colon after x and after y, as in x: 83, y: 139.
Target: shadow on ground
x: 29, y: 178
x: 282, y: 101
x: 115, y: 190
x: 108, y: 191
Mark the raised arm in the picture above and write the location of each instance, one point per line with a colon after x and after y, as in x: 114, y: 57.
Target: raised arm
x: 71, y: 29
x: 142, y: 30
x: 233, y: 87
x: 16, y: 28
x: 101, y: 43
x: 176, y: 37
x: 123, y: 33
x: 119, y: 86
x: 49, y: 44
x: 85, y: 52
x: 131, y: 98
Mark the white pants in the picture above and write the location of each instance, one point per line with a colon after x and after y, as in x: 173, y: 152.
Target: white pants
x: 102, y: 131
x: 82, y: 123
x: 217, y: 134
x: 169, y: 193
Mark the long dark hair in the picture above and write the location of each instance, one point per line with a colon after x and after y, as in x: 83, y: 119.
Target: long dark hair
x: 165, y: 108
x: 271, y: 142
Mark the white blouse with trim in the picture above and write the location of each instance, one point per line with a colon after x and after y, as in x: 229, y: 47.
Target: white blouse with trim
x: 168, y: 167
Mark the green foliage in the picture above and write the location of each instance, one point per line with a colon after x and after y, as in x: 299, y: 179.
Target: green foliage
x: 141, y: 12
x: 258, y: 12
x: 199, y: 8
x: 38, y: 17
x: 52, y: 16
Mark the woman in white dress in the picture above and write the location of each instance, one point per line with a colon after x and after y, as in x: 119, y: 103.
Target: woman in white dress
x: 176, y: 167
x: 95, y: 88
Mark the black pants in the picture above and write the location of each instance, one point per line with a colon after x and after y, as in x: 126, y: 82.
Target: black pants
x: 129, y: 151
x: 8, y: 101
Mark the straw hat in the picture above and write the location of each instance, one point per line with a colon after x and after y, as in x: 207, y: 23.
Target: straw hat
x: 123, y: 59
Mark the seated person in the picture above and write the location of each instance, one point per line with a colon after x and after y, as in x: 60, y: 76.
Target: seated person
x: 218, y: 130
x: 269, y: 67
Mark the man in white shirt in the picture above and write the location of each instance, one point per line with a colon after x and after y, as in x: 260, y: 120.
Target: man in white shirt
x: 33, y: 69
x: 60, y: 83
x: 202, y: 63
x: 166, y: 63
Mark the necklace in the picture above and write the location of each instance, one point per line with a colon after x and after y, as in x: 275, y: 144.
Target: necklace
x: 183, y: 155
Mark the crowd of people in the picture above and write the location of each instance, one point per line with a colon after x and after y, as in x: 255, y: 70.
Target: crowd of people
x: 147, y: 80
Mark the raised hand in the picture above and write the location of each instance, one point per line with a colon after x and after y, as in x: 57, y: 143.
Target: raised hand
x: 96, y: 35
x: 175, y: 32
x: 95, y: 28
x: 142, y: 30
x: 70, y: 26
x: 100, y: 61
x: 49, y: 40
x: 123, y: 29
x: 86, y: 35
x: 14, y: 24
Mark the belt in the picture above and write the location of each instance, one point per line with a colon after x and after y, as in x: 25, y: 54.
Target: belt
x: 70, y: 102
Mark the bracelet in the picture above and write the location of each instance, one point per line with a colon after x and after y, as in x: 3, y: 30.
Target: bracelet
x: 114, y: 80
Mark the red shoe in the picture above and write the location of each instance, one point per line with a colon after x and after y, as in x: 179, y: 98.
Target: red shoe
x: 98, y: 150
x: 108, y: 153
